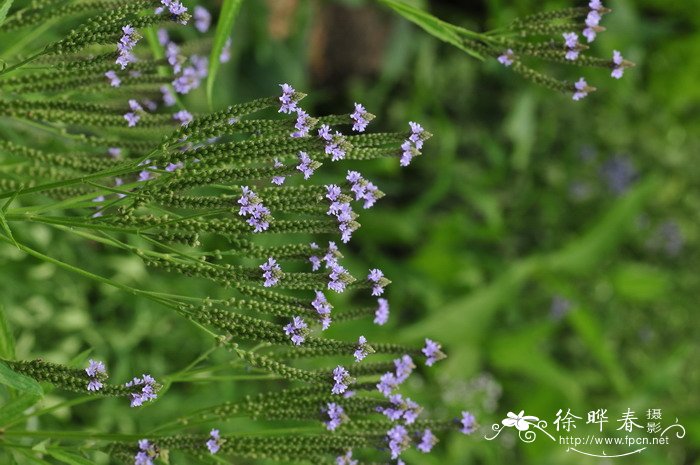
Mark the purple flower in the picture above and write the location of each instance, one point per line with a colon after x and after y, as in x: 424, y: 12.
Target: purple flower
x: 174, y: 166
x: 381, y: 315
x: 168, y: 96
x: 114, y: 80
x: 114, y: 152
x: 468, y: 423
x: 342, y: 211
x: 324, y: 132
x: 225, y: 55
x: 401, y: 408
x: 387, y: 383
x: 125, y: 45
x: 305, y: 165
x: 363, y: 189
x: 432, y: 352
x: 595, y: 4
x: 97, y: 372
x: 148, y: 387
x: 335, y: 144
x: 134, y: 115
x: 412, y: 146
x: 336, y: 416
x: 252, y: 206
x: 303, y: 124
x: 363, y: 349
x: 296, y: 330
x: 507, y: 58
x: 175, y: 59
x: 427, y: 441
x: 214, y: 442
x: 404, y: 368
x: 337, y: 278
x: 323, y: 308
x: 163, y: 37
x: 377, y: 277
x: 398, y: 440
x: 175, y: 8
x: 278, y: 180
x: 144, y: 175
x: 147, y: 453
x: 360, y: 118
x: 618, y: 62
x: 342, y: 379
x: 346, y: 459
x: 571, y: 44
x: 288, y: 99
x: 190, y: 79
x: 202, y: 19
x: 271, y: 272
x: 589, y: 33
x: 184, y: 117
x: 582, y: 89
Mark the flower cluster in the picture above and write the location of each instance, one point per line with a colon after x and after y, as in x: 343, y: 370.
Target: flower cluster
x: 336, y: 416
x: 323, y: 308
x: 334, y: 143
x: 341, y: 209
x: 363, y: 189
x: 148, y: 389
x: 147, y: 453
x: 342, y: 380
x: 412, y: 146
x: 132, y: 117
x: 401, y: 408
x: 202, y: 19
x: 288, y: 99
x: 306, y: 164
x: 381, y: 315
x: 302, y: 125
x: 376, y: 277
x: 363, y: 349
x: 271, y: 272
x: 432, y: 352
x: 427, y: 441
x: 97, y: 372
x: 176, y: 9
x: 125, y: 46
x: 390, y: 381
x: 296, y: 330
x: 252, y: 206
x: 360, y: 118
x: 571, y: 44
x: 214, y: 441
x: 593, y: 20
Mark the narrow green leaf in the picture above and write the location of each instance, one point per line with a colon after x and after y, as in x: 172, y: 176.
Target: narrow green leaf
x: 6, y: 227
x: 70, y: 459
x: 20, y: 382
x: 229, y: 11
x: 434, y: 26
x: 4, y: 8
x: 7, y: 341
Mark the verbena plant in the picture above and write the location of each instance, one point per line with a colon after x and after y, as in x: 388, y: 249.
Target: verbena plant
x: 98, y: 144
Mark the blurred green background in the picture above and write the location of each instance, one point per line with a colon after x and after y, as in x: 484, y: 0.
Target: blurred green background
x: 550, y: 245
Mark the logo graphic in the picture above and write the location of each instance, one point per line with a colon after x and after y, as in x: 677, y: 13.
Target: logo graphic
x: 630, y: 434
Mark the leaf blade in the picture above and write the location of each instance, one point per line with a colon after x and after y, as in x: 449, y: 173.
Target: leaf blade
x: 19, y: 382
x: 4, y: 9
x: 229, y: 12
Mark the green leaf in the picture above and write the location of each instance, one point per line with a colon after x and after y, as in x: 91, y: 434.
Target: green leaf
x: 434, y: 26
x: 7, y: 341
x: 20, y: 382
x: 229, y: 11
x: 14, y: 409
x: 4, y: 8
x: 70, y: 459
